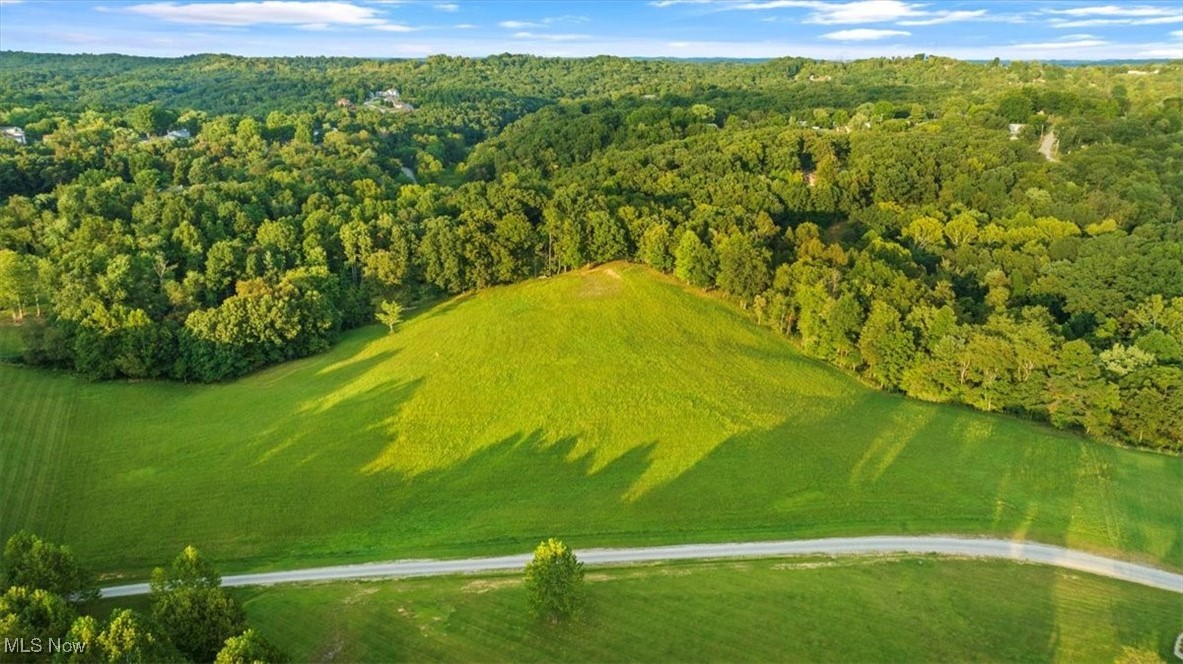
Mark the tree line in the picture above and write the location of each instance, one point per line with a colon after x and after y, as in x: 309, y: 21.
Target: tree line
x: 879, y: 213
x: 48, y: 604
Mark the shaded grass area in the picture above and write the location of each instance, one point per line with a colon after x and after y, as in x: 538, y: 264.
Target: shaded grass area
x: 609, y: 407
x: 858, y: 609
x: 11, y: 345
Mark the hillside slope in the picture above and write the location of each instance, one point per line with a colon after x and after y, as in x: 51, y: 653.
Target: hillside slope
x: 609, y: 406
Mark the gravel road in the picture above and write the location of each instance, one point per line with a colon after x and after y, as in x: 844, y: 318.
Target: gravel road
x: 1045, y: 554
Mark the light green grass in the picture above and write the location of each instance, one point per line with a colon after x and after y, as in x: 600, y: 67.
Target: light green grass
x: 841, y: 610
x: 610, y: 407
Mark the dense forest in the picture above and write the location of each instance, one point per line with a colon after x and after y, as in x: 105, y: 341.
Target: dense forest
x: 1007, y: 236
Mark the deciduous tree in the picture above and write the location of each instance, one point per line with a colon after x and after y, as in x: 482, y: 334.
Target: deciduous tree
x: 554, y: 581
x: 192, y: 609
x: 390, y: 313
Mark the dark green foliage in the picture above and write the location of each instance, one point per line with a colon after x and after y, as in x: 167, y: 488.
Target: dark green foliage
x: 151, y: 119
x: 32, y: 613
x: 34, y: 563
x: 743, y: 267
x: 694, y: 261
x: 43, y: 585
x: 1152, y: 407
x: 126, y: 636
x: 260, y: 324
x: 192, y: 609
x: 1078, y: 395
x: 825, y: 195
x: 885, y: 346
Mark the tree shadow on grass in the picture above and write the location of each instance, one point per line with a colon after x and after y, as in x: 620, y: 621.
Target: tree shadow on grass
x: 855, y: 471
x: 950, y: 472
x: 941, y: 471
x: 504, y: 497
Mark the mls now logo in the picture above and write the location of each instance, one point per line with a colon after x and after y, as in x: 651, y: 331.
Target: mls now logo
x: 38, y: 645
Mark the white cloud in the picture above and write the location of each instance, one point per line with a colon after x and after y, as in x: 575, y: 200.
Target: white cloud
x: 1100, y: 22
x: 301, y: 15
x: 947, y: 17
x: 517, y: 25
x: 447, y: 7
x: 863, y: 11
x: 1115, y: 10
x: 1060, y: 45
x: 566, y: 18
x: 864, y: 34
x: 860, y: 11
x: 1114, y: 15
x: 463, y: 26
x: 372, y: 43
x: 550, y: 36
x: 778, y: 4
x: 273, y: 12
x: 1177, y: 34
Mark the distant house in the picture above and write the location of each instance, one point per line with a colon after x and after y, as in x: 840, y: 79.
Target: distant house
x: 178, y: 133
x: 344, y: 103
x: 1015, y: 128
x: 388, y: 100
x: 14, y: 134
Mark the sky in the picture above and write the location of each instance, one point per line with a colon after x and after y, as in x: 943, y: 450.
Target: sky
x: 829, y: 29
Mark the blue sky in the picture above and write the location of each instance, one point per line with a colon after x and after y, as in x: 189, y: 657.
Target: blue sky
x: 679, y: 28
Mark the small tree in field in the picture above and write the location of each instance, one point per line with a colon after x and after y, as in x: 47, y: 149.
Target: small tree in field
x: 390, y: 313
x: 554, y: 581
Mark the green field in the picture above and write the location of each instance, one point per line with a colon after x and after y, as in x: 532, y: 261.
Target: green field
x: 845, y: 609
x: 608, y: 407
x: 10, y: 341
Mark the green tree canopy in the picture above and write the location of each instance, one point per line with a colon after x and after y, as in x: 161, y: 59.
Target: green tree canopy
x: 554, y: 581
x: 192, y: 609
x: 35, y: 563
x: 249, y: 648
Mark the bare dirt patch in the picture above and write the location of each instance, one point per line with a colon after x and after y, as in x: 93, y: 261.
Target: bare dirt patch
x: 361, y: 594
x: 481, y: 586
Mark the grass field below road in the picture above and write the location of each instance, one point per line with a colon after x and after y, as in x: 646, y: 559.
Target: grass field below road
x: 610, y: 407
x: 851, y: 609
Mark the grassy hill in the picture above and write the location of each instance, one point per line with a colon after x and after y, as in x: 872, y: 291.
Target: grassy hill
x: 873, y: 609
x: 608, y: 407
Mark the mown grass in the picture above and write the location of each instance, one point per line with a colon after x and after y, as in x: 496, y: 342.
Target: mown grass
x: 840, y: 610
x: 11, y: 345
x: 609, y: 407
